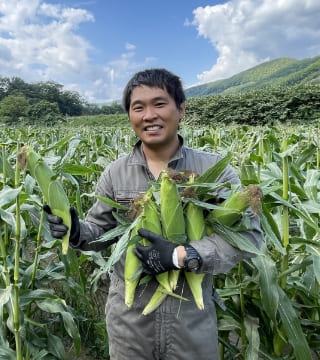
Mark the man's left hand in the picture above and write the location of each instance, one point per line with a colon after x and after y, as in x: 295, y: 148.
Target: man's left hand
x: 157, y: 257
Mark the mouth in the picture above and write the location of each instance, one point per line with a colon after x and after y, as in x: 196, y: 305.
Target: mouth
x: 152, y: 128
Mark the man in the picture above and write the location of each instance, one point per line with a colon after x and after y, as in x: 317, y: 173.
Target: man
x: 155, y: 102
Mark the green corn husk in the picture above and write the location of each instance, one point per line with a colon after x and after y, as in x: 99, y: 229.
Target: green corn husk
x: 173, y: 227
x: 150, y: 220
x: 196, y: 228
x: 155, y: 301
x: 233, y: 208
x: 51, y: 188
x: 157, y: 298
x: 172, y: 217
x: 171, y: 210
x: 131, y: 267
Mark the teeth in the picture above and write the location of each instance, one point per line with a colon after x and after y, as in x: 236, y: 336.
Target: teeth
x: 154, y: 127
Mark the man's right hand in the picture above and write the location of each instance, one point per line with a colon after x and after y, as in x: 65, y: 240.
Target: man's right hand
x: 58, y: 229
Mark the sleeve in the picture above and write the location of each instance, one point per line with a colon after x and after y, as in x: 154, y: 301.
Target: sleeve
x: 99, y: 218
x: 218, y: 255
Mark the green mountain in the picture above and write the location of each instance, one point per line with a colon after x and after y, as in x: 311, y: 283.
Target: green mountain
x: 278, y: 72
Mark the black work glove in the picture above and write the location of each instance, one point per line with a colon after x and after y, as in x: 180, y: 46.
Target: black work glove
x: 58, y: 229
x: 156, y: 258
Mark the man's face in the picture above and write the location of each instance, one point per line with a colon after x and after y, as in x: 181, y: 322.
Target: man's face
x: 154, y: 116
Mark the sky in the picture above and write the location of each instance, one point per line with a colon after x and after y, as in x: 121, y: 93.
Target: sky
x: 95, y: 46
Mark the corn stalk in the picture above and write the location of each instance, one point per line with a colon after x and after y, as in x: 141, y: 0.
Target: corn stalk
x: 16, y: 311
x: 285, y: 214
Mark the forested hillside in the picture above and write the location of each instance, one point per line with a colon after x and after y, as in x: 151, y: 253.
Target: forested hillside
x: 296, y: 104
x: 282, y: 90
x: 278, y: 72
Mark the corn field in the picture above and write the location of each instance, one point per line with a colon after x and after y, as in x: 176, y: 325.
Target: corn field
x: 52, y: 304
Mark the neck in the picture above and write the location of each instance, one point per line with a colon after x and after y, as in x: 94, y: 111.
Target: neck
x: 162, y: 153
x: 158, y: 158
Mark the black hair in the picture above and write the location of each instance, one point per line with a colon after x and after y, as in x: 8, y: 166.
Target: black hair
x: 160, y: 78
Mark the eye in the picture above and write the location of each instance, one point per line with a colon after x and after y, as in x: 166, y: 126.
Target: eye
x: 137, y: 108
x: 160, y: 104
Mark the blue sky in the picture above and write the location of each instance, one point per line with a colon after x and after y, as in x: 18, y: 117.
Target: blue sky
x: 94, y: 46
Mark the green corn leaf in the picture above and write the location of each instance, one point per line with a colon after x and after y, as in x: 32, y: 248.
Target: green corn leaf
x: 9, y: 170
x: 58, y: 306
x: 306, y: 155
x: 228, y: 324
x: 271, y: 230
x: 214, y: 171
x: 111, y: 203
x: 252, y: 334
x: 120, y: 246
x: 72, y: 330
x: 113, y: 233
x: 315, y: 252
x: 27, y: 297
x: 60, y: 143
x: 5, y: 295
x: 8, y: 195
x: 6, y: 353
x: 268, y: 285
x: 236, y: 239
x: 311, y: 185
x: 305, y: 217
x: 76, y: 169
x: 291, y: 324
x: 56, y: 347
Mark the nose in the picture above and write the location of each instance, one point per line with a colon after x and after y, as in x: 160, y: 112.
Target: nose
x: 149, y: 113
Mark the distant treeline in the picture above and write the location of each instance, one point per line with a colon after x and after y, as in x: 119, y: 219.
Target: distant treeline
x: 44, y: 103
x: 47, y: 103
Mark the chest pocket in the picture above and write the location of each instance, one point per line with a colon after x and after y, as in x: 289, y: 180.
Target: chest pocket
x: 126, y: 198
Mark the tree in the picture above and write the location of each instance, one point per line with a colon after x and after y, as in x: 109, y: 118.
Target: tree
x: 114, y: 108
x: 4, y: 86
x: 70, y: 103
x: 44, y: 113
x: 13, y: 109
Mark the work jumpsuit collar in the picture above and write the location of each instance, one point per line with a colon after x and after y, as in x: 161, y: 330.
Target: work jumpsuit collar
x: 137, y: 156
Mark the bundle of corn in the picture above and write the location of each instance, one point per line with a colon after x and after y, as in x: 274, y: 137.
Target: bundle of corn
x: 173, y: 228
x: 51, y: 188
x: 184, y: 224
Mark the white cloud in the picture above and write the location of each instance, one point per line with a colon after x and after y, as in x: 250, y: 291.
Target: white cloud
x: 39, y: 42
x: 248, y: 32
x: 130, y: 47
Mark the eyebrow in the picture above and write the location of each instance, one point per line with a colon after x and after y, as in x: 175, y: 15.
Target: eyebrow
x: 155, y: 99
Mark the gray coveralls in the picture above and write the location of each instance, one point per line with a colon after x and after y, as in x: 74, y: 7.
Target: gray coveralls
x: 176, y: 330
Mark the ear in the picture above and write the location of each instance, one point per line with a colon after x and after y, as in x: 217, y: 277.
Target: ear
x: 182, y: 109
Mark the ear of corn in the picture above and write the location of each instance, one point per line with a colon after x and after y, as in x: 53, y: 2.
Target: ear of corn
x: 132, y: 264
x: 60, y: 206
x: 157, y: 298
x: 195, y: 225
x: 233, y: 208
x: 51, y: 188
x: 155, y: 301
x: 172, y: 217
x: 171, y: 210
x: 38, y: 169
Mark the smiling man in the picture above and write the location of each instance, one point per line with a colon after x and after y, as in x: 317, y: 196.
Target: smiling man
x: 176, y: 330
